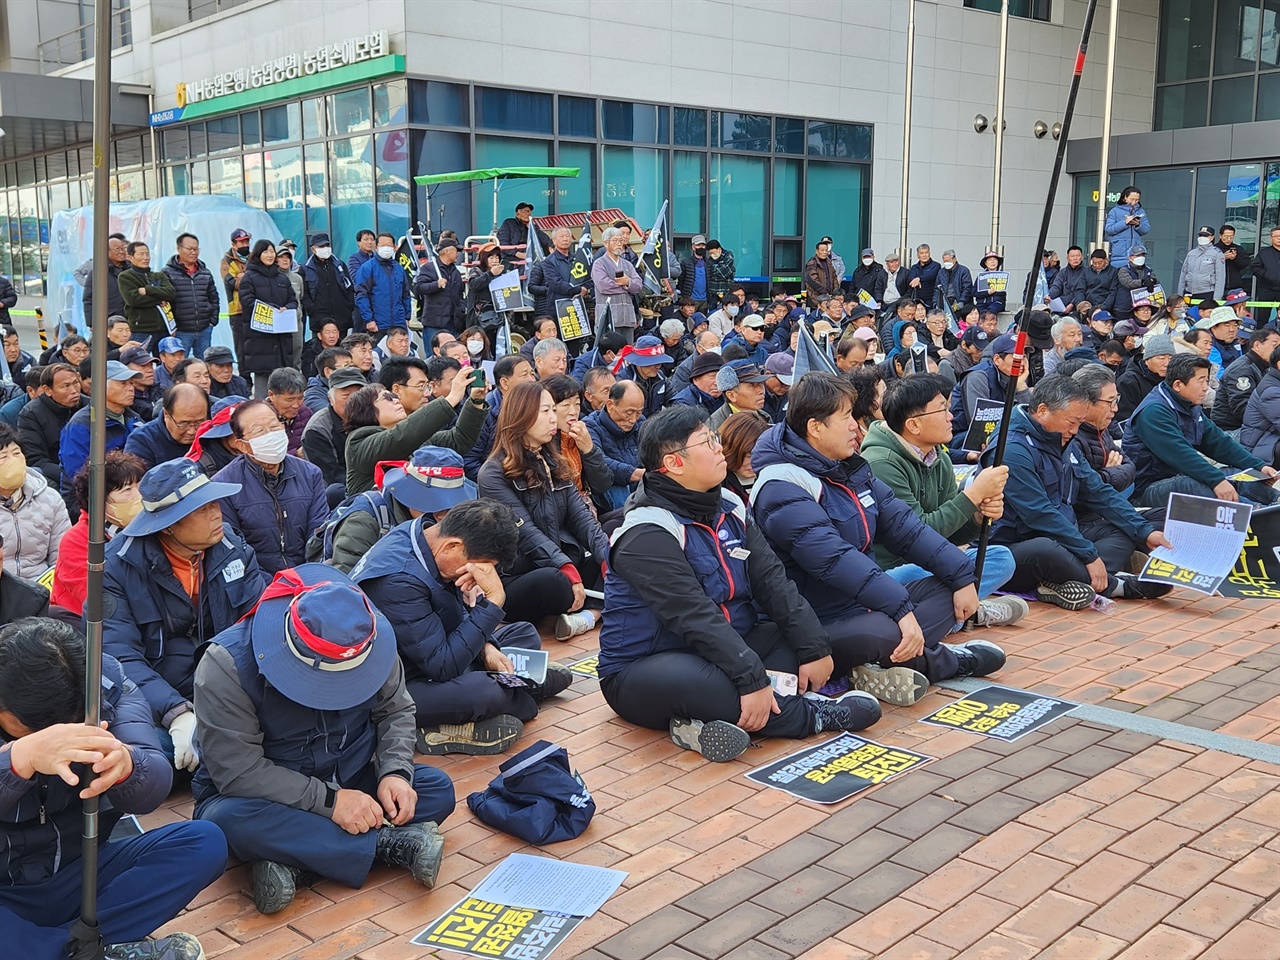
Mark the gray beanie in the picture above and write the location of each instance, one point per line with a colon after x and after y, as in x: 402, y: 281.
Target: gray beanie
x: 1160, y: 345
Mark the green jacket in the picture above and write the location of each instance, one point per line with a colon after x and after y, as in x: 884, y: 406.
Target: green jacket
x: 931, y: 492
x: 367, y: 446
x: 143, y: 310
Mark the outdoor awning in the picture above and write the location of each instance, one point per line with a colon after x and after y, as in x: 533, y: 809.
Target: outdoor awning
x: 39, y: 113
x: 496, y: 173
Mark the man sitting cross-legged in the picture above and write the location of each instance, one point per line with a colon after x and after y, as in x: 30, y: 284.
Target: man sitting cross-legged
x: 437, y: 580
x: 824, y: 512
x: 306, y: 742
x: 697, y: 608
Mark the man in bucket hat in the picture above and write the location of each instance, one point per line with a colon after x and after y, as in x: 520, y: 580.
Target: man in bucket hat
x: 172, y: 581
x: 307, y: 734
x: 439, y: 583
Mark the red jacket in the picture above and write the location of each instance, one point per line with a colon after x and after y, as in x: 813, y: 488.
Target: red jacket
x: 71, y: 572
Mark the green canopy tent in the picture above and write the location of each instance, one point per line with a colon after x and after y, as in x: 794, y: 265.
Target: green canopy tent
x: 497, y: 175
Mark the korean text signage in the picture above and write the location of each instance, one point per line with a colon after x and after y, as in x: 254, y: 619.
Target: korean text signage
x: 1000, y: 712
x: 837, y: 769
x: 291, y: 67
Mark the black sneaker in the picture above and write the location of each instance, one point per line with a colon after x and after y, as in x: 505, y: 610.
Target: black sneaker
x: 854, y: 711
x: 717, y: 740
x: 483, y: 738
x: 1071, y: 595
x: 557, y: 681
x: 977, y: 658
x: 176, y: 946
x: 274, y: 886
x: 419, y: 847
x: 1131, y: 588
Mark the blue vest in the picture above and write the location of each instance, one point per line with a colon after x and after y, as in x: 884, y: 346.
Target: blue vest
x: 1148, y: 467
x: 334, y: 746
x: 1057, y: 470
x: 632, y: 630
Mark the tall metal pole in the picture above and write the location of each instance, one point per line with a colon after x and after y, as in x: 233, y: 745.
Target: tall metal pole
x: 906, y: 123
x: 1002, y: 432
x: 85, y: 939
x: 999, y: 122
x: 1105, y: 168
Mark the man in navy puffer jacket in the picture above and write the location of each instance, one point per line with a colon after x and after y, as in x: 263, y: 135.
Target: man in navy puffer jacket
x: 823, y: 511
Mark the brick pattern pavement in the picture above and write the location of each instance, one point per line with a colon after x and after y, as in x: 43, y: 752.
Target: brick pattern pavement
x: 1077, y: 841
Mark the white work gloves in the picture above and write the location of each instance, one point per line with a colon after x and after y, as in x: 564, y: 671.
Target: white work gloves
x: 182, y: 730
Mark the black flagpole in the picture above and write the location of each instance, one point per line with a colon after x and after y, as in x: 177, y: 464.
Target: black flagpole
x: 1002, y: 434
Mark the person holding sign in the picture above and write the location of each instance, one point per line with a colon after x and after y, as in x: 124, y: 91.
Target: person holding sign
x: 991, y: 286
x: 987, y: 380
x: 824, y: 512
x: 1064, y: 558
x: 1133, y: 277
x: 147, y: 294
x: 1176, y: 447
x: 268, y: 301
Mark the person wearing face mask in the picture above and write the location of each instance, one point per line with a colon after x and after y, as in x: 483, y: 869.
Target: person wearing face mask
x: 122, y: 471
x: 382, y: 289
x: 1135, y: 275
x: 1204, y: 271
x: 721, y: 322
x: 693, y: 273
x: 328, y: 294
x: 870, y: 277
x: 184, y: 409
x: 476, y: 342
x: 1126, y: 225
x: 174, y: 579
x: 955, y: 282
x: 231, y: 268
x: 33, y: 518
x: 282, y: 498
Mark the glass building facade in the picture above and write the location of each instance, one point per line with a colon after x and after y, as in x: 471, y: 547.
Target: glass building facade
x: 342, y: 160
x: 1218, y: 63
x: 1179, y: 199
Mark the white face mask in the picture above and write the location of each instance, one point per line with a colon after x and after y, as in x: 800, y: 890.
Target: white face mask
x: 948, y: 264
x: 324, y: 253
x: 475, y: 347
x: 1204, y: 241
x: 868, y: 261
x: 386, y: 253
x: 712, y: 350
x: 1139, y: 261
x: 731, y: 311
x: 270, y: 448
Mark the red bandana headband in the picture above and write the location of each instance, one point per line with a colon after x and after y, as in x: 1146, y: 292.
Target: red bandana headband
x: 287, y: 583
x: 629, y: 350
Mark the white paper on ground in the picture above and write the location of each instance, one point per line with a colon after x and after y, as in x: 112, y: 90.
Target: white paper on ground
x: 550, y: 885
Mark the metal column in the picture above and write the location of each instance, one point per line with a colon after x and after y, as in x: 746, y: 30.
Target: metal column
x: 906, y: 124
x: 998, y: 162
x: 1105, y: 168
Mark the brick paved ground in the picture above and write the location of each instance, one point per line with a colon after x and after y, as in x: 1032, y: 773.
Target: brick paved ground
x: 1079, y: 841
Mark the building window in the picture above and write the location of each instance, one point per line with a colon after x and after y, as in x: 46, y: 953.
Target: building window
x: 1230, y: 41
x: 515, y: 110
x: 1027, y: 9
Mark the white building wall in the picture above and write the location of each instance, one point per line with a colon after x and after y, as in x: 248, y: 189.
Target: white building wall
x: 831, y: 59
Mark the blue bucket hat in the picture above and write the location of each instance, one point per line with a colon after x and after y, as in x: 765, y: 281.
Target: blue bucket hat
x: 431, y: 481
x: 173, y: 490
x: 222, y: 429
x: 647, y: 352
x: 319, y: 641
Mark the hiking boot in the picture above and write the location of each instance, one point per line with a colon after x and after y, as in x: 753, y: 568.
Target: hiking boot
x: 1131, y: 588
x: 1001, y: 611
x: 176, y: 946
x: 481, y: 738
x: 900, y: 686
x: 853, y: 711
x: 418, y: 846
x: 557, y: 681
x: 1071, y: 595
x: 717, y: 740
x: 274, y: 886
x: 569, y: 625
x: 977, y: 658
